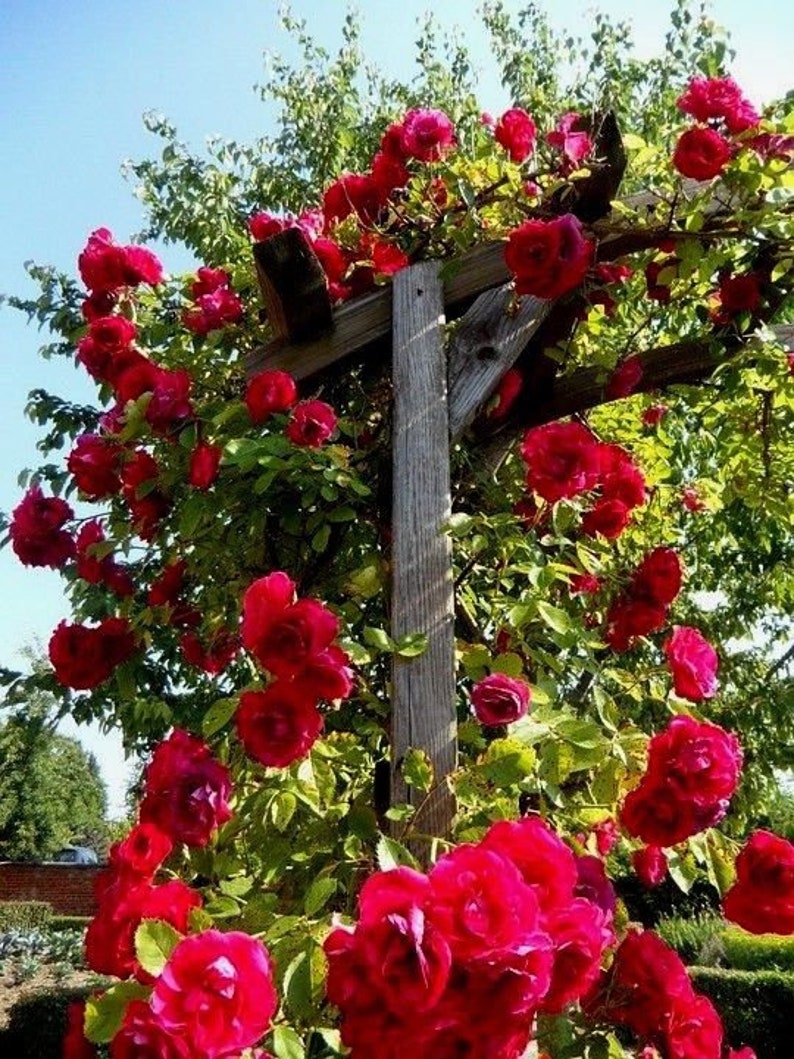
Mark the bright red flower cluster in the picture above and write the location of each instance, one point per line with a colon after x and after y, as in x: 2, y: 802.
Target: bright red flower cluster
x: 693, y: 662
x: 717, y: 102
x: 100, y: 569
x: 459, y: 961
x: 643, y: 606
x: 215, y: 304
x: 516, y: 132
x: 105, y: 267
x: 548, y: 258
x: 85, y: 657
x: 565, y: 460
x: 692, y: 773
x: 648, y: 990
x: 762, y: 898
x: 36, y: 530
x: 293, y: 639
x: 186, y: 790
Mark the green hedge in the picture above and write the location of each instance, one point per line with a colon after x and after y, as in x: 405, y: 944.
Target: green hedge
x: 24, y: 915
x: 691, y: 938
x: 758, y: 952
x: 757, y: 1007
x: 69, y: 922
x: 37, y: 1024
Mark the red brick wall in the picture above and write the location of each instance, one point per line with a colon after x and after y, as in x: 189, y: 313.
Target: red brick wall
x: 69, y: 888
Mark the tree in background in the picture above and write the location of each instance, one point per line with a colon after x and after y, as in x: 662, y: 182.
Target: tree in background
x: 622, y: 532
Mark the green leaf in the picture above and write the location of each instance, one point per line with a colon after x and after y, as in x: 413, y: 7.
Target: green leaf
x: 417, y: 769
x: 508, y: 761
x: 378, y: 638
x: 558, y: 620
x: 218, y: 715
x: 411, y: 645
x: 155, y: 940
x: 391, y: 854
x: 511, y: 664
x: 282, y: 809
x: 683, y: 870
x: 104, y: 1013
x: 287, y: 1044
x: 319, y: 892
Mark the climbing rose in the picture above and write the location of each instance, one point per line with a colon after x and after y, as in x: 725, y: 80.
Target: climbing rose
x: 574, y: 144
x: 650, y: 864
x: 142, y: 851
x: 608, y: 518
x: 166, y: 588
x: 693, y: 662
x: 499, y: 699
x: 548, y: 258
x: 718, y: 97
x: 142, y: 1036
x: 186, y: 790
x: 562, y: 460
x: 263, y: 225
x: 692, y: 773
x: 149, y: 509
x: 204, y: 462
x: 508, y: 390
x: 213, y: 657
x: 701, y: 153
x: 75, y: 1045
x: 103, y: 351
x: 691, y: 501
x: 625, y: 379
x: 94, y: 463
x: 658, y: 577
x: 584, y: 584
x: 545, y: 863
x: 36, y: 530
x: 106, y: 266
x: 278, y: 725
x: 516, y: 132
x: 762, y: 898
x: 312, y: 424
x: 84, y: 658
x: 353, y: 193
x: 268, y: 392
x: 96, y: 570
x: 654, y: 414
x: 216, y: 993
x: 427, y: 135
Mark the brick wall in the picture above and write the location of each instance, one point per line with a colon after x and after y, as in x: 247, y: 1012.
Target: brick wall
x: 69, y: 888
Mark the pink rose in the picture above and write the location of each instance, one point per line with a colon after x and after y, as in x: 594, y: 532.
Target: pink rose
x: 312, y: 424
x: 574, y: 143
x: 499, y: 699
x: 143, y: 1037
x: 693, y: 662
x: 701, y: 153
x: 427, y: 135
x: 216, y: 993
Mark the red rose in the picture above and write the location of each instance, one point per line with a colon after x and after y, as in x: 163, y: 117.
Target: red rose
x: 204, y: 463
x: 628, y: 618
x: 593, y: 883
x: 694, y: 1030
x: 353, y: 193
x: 208, y: 280
x: 216, y: 993
x: 100, y: 303
x: 650, y: 865
x: 312, y: 424
x: 701, y: 153
x: 268, y: 392
x: 142, y: 1036
x: 548, y: 258
x: 693, y: 662
x: 427, y: 135
x: 499, y: 699
x: 107, y: 337
x: 84, y: 658
x: 516, y: 132
x: 94, y: 463
x: 585, y: 584
x: 278, y: 725
x: 509, y: 388
x: 562, y: 460
x: 106, y: 266
x: 264, y: 225
x: 620, y: 477
x: 654, y: 414
x: 580, y: 934
x: 169, y: 407
x: 625, y: 379
x: 96, y: 570
x: 142, y: 851
x: 658, y: 577
x: 691, y: 501
x: 762, y: 898
x: 75, y: 1044
x: 608, y: 517
x: 546, y: 864
x: 718, y: 97
x: 167, y: 587
x: 147, y: 506
x: 213, y: 310
x: 215, y: 656
x: 36, y: 530
x: 186, y: 790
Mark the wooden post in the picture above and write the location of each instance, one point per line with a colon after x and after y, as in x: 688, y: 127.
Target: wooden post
x: 423, y: 688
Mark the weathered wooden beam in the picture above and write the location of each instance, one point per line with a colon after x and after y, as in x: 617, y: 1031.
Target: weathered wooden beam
x: 423, y: 688
x: 486, y: 342
x: 293, y: 286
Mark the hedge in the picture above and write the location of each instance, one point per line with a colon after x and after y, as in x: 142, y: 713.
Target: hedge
x: 758, y: 952
x: 693, y: 938
x: 24, y: 915
x: 58, y: 923
x: 37, y: 1023
x: 757, y: 1007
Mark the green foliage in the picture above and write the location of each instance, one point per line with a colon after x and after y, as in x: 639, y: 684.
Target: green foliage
x: 58, y: 923
x: 651, y: 907
x: 758, y: 952
x: 24, y: 915
x: 757, y: 1007
x: 690, y: 936
x: 37, y: 1023
x: 51, y: 791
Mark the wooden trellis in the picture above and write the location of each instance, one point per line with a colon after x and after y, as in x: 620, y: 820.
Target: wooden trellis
x: 438, y: 391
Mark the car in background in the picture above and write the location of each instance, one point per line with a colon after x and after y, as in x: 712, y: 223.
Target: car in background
x: 75, y: 855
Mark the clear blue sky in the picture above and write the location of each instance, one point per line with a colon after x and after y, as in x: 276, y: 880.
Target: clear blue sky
x: 75, y: 78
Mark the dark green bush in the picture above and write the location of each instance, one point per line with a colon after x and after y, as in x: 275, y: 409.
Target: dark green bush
x: 37, y: 1024
x: 692, y: 937
x: 68, y: 923
x: 758, y: 952
x: 757, y: 1007
x: 24, y: 915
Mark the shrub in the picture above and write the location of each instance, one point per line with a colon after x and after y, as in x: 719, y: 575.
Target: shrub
x: 757, y: 1007
x: 58, y: 923
x: 691, y: 936
x: 24, y: 915
x: 758, y: 952
x: 666, y: 901
x: 37, y: 1023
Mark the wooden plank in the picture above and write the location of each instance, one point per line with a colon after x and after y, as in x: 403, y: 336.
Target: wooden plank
x: 487, y: 341
x: 423, y: 688
x: 293, y: 287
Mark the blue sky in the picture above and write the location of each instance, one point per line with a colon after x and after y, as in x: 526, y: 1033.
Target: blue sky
x: 75, y: 78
